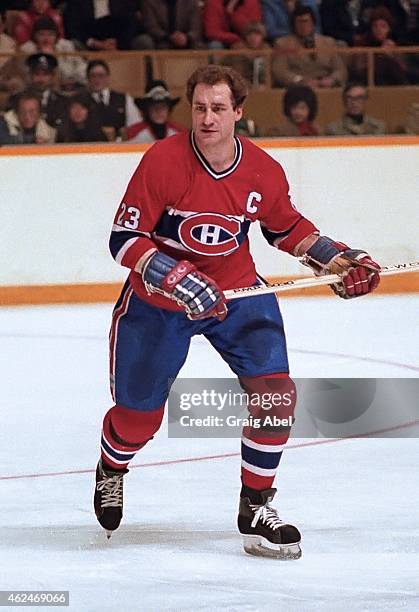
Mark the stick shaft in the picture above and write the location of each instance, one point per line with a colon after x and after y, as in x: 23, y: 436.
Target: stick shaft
x: 317, y: 281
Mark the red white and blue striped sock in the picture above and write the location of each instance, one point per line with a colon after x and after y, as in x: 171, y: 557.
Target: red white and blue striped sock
x: 260, y: 460
x: 125, y: 432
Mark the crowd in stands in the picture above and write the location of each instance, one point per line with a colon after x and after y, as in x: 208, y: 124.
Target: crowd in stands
x: 53, y: 93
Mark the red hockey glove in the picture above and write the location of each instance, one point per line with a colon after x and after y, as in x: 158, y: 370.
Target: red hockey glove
x: 359, y: 273
x: 182, y: 282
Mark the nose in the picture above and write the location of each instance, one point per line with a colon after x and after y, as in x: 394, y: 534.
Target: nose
x: 208, y: 117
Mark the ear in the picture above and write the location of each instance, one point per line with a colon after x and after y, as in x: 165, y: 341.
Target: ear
x: 239, y: 112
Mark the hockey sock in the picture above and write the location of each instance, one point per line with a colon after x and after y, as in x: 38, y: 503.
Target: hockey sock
x: 271, y: 407
x: 124, y: 432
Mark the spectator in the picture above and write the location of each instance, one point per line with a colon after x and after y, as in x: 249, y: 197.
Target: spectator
x: 252, y: 68
x: 170, y: 24
x: 45, y: 39
x: 7, y: 44
x: 405, y: 15
x: 81, y: 125
x: 389, y: 67
x: 355, y: 121
x: 340, y: 19
x: 411, y: 125
x: 156, y: 106
x: 101, y: 25
x: 321, y: 68
x: 225, y: 21
x: 24, y: 124
x: 22, y: 28
x: 10, y: 80
x: 276, y: 16
x: 115, y: 110
x: 299, y: 105
x: 246, y: 127
x: 42, y: 74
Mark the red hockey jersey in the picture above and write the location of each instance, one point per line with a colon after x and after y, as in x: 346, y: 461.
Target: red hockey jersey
x: 177, y: 203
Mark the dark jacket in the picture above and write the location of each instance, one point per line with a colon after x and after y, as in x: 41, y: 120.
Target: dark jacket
x: 158, y: 24
x: 89, y: 132
x: 112, y: 114
x: 337, y: 20
x: 80, y: 22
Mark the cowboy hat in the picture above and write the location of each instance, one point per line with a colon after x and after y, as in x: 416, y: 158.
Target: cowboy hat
x: 156, y: 92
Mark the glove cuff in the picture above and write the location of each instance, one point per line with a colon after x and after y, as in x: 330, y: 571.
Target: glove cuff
x: 321, y: 253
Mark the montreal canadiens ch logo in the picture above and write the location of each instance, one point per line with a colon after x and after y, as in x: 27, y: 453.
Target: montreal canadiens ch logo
x: 210, y: 234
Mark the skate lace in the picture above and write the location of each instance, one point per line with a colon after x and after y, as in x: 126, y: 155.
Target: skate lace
x: 111, y: 489
x: 266, y: 515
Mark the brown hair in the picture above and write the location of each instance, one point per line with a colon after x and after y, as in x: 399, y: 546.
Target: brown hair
x: 381, y: 12
x: 27, y: 94
x: 213, y: 74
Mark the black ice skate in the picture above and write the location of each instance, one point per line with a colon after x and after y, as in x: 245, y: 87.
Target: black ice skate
x: 108, y: 499
x: 264, y: 534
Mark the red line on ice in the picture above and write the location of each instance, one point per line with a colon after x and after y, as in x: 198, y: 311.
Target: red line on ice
x: 221, y: 456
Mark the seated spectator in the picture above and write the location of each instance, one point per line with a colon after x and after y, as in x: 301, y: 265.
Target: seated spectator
x: 225, y: 21
x: 246, y: 127
x: 23, y: 124
x: 299, y: 106
x: 101, y: 25
x: 81, y: 125
x: 7, y: 44
x: 276, y: 16
x: 45, y: 39
x: 321, y: 68
x: 156, y: 106
x: 405, y: 15
x: 355, y: 121
x: 340, y: 19
x: 8, y: 65
x: 250, y: 67
x: 411, y: 125
x: 389, y: 67
x: 22, y: 27
x: 42, y: 75
x: 115, y: 110
x: 170, y: 24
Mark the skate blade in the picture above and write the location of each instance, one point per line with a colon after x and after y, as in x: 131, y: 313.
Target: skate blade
x: 261, y: 547
x: 108, y: 533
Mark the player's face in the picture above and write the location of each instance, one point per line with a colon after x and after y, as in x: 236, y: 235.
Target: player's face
x: 213, y: 115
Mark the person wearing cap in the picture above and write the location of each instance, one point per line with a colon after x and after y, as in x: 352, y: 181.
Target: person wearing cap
x: 46, y: 39
x: 116, y: 110
x: 42, y: 73
x: 22, y: 27
x: 156, y: 106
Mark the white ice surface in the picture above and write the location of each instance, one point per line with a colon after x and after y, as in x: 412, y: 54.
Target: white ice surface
x: 355, y: 501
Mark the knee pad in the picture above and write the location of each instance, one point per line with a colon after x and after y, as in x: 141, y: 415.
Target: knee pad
x: 271, y: 403
x: 132, y: 427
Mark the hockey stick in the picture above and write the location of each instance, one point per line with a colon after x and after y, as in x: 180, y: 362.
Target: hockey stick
x: 303, y: 283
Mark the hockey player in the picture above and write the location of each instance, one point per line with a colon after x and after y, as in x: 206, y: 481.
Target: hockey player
x: 181, y: 229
